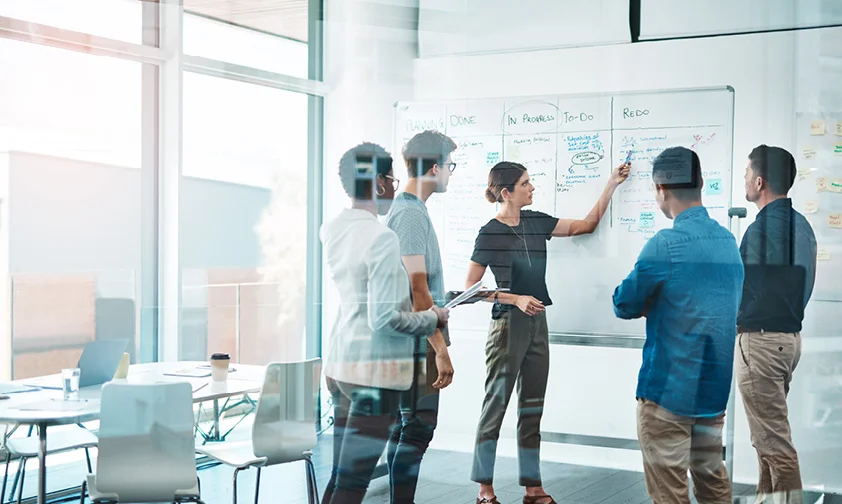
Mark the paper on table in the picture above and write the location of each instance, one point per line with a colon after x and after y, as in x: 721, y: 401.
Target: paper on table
x: 57, y: 405
x: 465, y: 295
x: 191, y: 373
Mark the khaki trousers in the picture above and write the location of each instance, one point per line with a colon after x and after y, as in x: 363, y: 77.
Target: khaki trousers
x: 517, y: 353
x: 671, y: 445
x: 765, y: 362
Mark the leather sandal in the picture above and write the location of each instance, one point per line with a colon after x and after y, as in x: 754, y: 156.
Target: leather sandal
x: 536, y: 499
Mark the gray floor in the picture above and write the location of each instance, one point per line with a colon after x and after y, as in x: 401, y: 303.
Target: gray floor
x: 444, y: 479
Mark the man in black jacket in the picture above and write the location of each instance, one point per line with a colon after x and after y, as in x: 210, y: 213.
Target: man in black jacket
x: 779, y: 254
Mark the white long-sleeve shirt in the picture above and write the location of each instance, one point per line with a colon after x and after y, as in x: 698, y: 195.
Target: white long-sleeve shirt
x: 373, y: 338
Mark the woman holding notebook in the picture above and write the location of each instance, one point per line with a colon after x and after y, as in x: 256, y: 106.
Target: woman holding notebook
x: 514, y: 245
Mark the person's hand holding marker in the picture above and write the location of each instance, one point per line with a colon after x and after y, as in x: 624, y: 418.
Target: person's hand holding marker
x: 621, y: 173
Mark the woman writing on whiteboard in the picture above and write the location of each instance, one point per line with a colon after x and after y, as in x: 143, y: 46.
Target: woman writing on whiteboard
x: 514, y: 245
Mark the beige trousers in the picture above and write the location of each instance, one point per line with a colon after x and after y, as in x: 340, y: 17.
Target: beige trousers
x: 765, y: 362
x: 671, y: 445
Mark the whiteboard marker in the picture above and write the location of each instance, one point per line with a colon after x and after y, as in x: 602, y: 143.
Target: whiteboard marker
x: 628, y: 157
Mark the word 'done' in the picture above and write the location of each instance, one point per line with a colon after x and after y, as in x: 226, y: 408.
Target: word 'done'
x: 458, y: 120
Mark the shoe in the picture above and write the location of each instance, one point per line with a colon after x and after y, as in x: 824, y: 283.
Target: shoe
x: 537, y: 499
x: 487, y: 500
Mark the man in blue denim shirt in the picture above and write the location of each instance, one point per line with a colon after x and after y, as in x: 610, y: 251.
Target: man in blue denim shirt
x: 687, y: 282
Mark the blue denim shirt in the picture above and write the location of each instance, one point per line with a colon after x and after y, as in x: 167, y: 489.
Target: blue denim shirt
x: 688, y: 283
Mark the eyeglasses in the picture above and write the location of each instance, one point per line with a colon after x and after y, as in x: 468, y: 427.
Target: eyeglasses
x: 395, y: 182
x: 450, y: 166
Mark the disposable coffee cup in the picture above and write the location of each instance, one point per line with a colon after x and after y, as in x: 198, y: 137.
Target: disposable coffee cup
x: 219, y: 366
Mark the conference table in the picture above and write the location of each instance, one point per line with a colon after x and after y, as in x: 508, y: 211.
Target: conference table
x: 44, y: 407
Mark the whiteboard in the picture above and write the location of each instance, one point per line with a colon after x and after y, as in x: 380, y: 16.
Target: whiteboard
x: 569, y: 144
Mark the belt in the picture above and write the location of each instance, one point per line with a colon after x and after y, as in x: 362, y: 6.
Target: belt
x: 743, y: 330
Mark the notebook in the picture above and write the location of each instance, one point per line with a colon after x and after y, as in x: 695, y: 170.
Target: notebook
x: 14, y: 388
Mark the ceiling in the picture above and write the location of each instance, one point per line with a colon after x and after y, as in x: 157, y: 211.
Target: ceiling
x: 287, y: 18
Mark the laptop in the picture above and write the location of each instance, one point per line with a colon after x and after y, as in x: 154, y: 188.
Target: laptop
x: 97, y: 365
x: 99, y: 361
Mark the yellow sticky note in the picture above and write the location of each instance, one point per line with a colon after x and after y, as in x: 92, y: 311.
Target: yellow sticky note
x: 823, y: 254
x: 821, y: 184
x: 835, y: 185
x: 804, y: 173
x: 838, y: 128
x: 817, y: 127
x: 811, y: 207
x: 834, y: 221
x: 809, y: 153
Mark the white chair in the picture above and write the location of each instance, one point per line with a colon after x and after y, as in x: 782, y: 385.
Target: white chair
x: 61, y: 440
x: 284, y: 427
x: 146, y: 445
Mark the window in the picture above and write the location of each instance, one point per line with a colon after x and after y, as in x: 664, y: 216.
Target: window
x: 70, y: 143
x: 222, y: 41
x: 243, y: 205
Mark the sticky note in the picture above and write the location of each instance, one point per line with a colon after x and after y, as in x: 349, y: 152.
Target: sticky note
x: 804, y: 173
x: 834, y: 221
x: 492, y: 158
x: 837, y: 149
x: 822, y: 254
x: 835, y: 185
x: 817, y: 127
x: 713, y: 187
x: 809, y: 153
x: 838, y: 128
x: 811, y: 207
x: 821, y: 184
x: 646, y: 220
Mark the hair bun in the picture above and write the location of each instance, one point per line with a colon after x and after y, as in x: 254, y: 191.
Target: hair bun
x: 490, y: 196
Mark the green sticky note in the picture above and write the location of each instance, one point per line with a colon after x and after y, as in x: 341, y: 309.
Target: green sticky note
x: 713, y: 187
